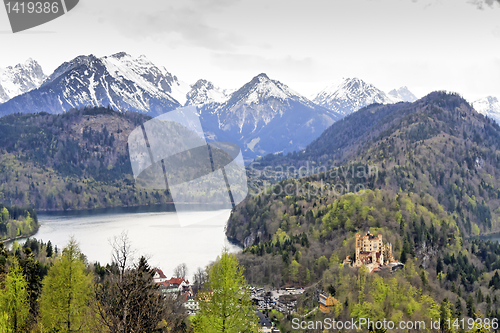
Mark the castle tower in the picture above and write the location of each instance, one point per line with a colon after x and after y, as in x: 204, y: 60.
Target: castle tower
x: 358, y: 249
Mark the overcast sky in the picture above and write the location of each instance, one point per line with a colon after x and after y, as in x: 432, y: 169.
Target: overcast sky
x: 426, y: 45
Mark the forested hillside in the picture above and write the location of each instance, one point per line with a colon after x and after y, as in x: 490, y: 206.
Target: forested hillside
x: 424, y: 175
x: 76, y: 160
x: 438, y: 145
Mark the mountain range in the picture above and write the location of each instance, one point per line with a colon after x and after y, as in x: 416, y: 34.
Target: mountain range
x: 263, y: 116
x: 266, y: 116
x: 120, y: 81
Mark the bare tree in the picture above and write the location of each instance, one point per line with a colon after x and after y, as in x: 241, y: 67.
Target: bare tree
x: 128, y: 300
x: 200, y: 277
x: 122, y: 253
x: 181, y: 271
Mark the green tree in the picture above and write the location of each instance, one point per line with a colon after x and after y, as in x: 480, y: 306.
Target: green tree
x: 471, y: 309
x: 294, y: 270
x: 446, y: 314
x: 4, y: 215
x: 459, y: 310
x: 439, y: 266
x: 225, y: 305
x: 50, y: 250
x: 64, y: 305
x: 32, y: 273
x: 14, y: 301
x: 4, y: 323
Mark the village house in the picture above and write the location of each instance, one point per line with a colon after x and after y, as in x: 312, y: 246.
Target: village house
x: 159, y: 277
x: 179, y: 283
x: 265, y: 324
x: 192, y: 305
x: 173, y: 286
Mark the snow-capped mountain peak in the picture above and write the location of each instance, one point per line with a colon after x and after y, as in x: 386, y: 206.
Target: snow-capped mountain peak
x: 402, y: 94
x: 141, y: 70
x: 489, y: 106
x: 83, y: 60
x: 350, y: 95
x: 261, y: 114
x: 261, y: 88
x: 204, y: 92
x: 20, y: 79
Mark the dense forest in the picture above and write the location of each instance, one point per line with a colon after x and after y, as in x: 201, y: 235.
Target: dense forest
x: 438, y: 145
x: 17, y: 222
x: 425, y: 175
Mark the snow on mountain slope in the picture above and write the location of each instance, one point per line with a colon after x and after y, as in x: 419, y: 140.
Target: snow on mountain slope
x: 260, y: 101
x: 20, y: 79
x: 266, y: 116
x: 402, y: 94
x: 489, y: 106
x: 204, y: 92
x: 350, y: 95
x: 119, y: 80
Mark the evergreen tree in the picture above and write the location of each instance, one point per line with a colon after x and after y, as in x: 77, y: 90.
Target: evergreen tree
x: 439, y: 266
x: 471, y: 309
x: 479, y: 296
x: 459, y: 310
x: 495, y: 281
x: 488, y: 306
x: 64, y: 305
x: 131, y: 302
x: 445, y: 312
x: 50, y: 250
x: 14, y: 302
x: 226, y: 305
x: 331, y: 290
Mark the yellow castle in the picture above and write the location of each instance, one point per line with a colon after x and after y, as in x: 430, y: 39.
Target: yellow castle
x: 371, y: 252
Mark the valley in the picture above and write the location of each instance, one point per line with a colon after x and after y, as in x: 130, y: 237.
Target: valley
x: 422, y: 173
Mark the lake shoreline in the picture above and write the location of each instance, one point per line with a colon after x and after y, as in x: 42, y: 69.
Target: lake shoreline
x: 203, y: 207
x: 11, y: 239
x: 156, y: 233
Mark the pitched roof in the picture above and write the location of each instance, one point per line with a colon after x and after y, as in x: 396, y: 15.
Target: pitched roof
x: 263, y: 320
x: 160, y: 273
x: 177, y: 281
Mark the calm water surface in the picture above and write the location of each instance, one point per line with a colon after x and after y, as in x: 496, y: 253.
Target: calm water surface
x: 156, y: 234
